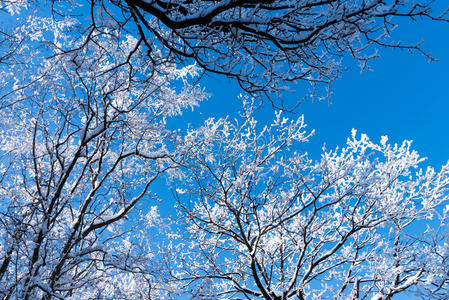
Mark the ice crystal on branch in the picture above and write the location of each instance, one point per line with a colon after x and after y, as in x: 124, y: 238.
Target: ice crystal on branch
x: 264, y: 45
x: 266, y: 222
x: 83, y: 137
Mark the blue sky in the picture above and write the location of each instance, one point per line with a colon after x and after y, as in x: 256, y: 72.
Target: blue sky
x: 404, y: 97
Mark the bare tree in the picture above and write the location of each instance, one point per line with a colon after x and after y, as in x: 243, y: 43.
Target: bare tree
x: 264, y: 44
x: 85, y: 95
x: 265, y: 222
x: 79, y: 150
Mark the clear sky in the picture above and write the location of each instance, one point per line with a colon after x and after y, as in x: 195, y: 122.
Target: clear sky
x: 404, y: 97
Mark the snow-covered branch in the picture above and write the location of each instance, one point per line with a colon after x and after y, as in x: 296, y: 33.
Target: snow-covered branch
x: 262, y: 217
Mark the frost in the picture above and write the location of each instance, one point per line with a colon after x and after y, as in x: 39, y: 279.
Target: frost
x: 247, y: 197
x: 86, y: 95
x: 152, y: 217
